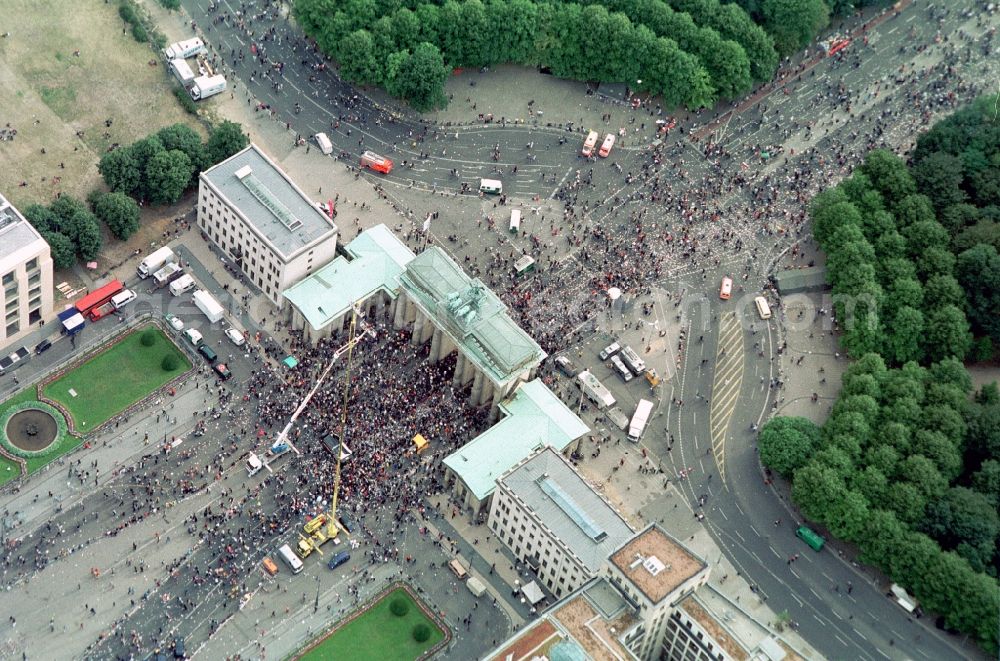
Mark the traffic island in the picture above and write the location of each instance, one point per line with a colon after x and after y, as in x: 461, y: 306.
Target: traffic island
x: 393, y: 626
x: 32, y: 434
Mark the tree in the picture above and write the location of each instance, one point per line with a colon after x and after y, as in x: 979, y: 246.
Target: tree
x: 889, y: 175
x: 118, y: 211
x: 399, y: 606
x: 357, y: 57
x: 966, y: 521
x: 148, y: 337
x: 182, y: 138
x: 906, y: 501
x: 420, y: 79
x: 978, y: 271
x: 915, y: 208
x: 986, y: 481
x: 921, y: 472
x: 904, y: 342
x: 942, y: 290
x: 939, y: 176
x: 947, y: 333
x: 923, y: 235
x: 936, y: 260
x: 170, y: 363
x: 121, y: 170
x: 168, y: 174
x: 794, y: 23
x: 62, y: 249
x: 817, y: 489
x: 787, y: 443
x: 143, y: 151
x: 421, y: 632
x: 225, y: 140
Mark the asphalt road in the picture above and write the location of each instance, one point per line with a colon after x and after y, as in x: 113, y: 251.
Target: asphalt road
x: 831, y: 110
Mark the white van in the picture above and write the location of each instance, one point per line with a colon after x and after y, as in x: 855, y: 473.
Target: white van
x: 254, y: 464
x: 182, y: 284
x: 292, y: 560
x: 491, y: 186
x: 121, y: 299
x: 235, y: 336
x: 763, y: 309
x: 515, y: 221
x: 618, y: 366
x: 324, y: 143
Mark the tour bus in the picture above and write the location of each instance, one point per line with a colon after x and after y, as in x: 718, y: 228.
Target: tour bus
x: 515, y: 221
x: 491, y: 186
x: 810, y: 537
x: 589, y: 144
x: 292, y: 560
x: 763, y: 309
x: 609, y: 142
x: 726, y: 290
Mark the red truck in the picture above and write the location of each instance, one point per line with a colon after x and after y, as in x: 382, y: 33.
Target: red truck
x: 373, y: 161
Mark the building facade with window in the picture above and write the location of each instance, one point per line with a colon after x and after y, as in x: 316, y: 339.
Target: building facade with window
x: 25, y: 275
x: 263, y: 222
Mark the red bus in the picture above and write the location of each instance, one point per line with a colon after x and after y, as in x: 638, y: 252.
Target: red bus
x: 373, y: 161
x: 99, y: 297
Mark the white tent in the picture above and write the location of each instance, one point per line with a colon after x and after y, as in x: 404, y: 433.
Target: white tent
x: 533, y: 592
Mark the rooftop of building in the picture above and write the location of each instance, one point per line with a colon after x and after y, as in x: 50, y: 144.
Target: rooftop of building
x: 656, y: 563
x: 587, y: 624
x: 15, y: 231
x: 739, y: 634
x: 377, y: 259
x: 578, y: 516
x: 472, y: 315
x: 533, y: 417
x: 269, y: 201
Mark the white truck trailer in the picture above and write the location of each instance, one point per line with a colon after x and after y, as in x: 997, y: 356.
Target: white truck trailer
x: 639, y: 420
x: 595, y: 390
x: 182, y: 71
x: 206, y: 86
x: 155, y: 261
x: 185, y: 49
x: 207, y: 304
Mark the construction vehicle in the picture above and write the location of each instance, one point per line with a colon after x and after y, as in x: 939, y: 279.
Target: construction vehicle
x: 317, y: 531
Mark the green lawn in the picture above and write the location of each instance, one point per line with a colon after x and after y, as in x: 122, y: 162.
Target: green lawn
x: 115, y: 379
x: 378, y: 635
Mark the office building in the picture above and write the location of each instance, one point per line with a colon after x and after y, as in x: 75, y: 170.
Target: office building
x: 26, y: 274
x: 263, y: 222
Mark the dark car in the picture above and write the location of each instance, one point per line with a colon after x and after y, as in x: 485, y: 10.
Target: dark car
x: 346, y: 523
x: 338, y: 559
x: 208, y: 353
x: 178, y: 648
x: 222, y: 371
x: 42, y: 347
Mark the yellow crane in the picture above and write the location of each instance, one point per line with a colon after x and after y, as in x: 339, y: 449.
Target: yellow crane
x: 323, y: 527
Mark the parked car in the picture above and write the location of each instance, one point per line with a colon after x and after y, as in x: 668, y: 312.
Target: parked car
x: 235, y: 336
x: 610, y: 350
x: 565, y: 365
x: 208, y: 353
x: 222, y: 370
x: 345, y: 522
x: 174, y: 322
x: 338, y: 559
x: 193, y: 336
x: 42, y: 346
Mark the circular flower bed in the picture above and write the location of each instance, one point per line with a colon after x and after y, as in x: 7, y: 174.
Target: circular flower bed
x: 61, y: 429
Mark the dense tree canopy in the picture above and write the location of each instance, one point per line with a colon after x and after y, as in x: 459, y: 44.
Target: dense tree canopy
x: 690, y: 52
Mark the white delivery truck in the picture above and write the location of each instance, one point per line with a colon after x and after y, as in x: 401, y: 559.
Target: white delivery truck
x: 254, y: 464
x: 207, y: 304
x: 182, y: 71
x: 155, y: 261
x: 324, y: 143
x: 181, y: 285
x: 206, y: 86
x: 595, y: 390
x: 476, y: 587
x: 185, y: 49
x: 639, y: 420
x: 167, y: 274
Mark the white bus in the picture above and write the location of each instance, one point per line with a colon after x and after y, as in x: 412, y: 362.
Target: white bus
x: 609, y: 142
x: 515, y: 221
x: 491, y: 186
x: 292, y: 560
x: 763, y: 309
x: 589, y: 144
x: 639, y: 420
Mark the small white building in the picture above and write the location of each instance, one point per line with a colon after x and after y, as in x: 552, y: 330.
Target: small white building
x: 262, y: 221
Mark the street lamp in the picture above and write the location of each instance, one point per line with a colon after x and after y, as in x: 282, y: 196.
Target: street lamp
x: 316, y: 603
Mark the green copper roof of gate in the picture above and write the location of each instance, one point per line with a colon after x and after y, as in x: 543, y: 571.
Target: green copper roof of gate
x: 472, y: 315
x: 377, y: 258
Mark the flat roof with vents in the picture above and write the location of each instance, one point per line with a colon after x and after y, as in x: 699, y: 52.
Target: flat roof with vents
x: 549, y: 487
x: 16, y: 232
x: 269, y: 201
x: 656, y: 563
